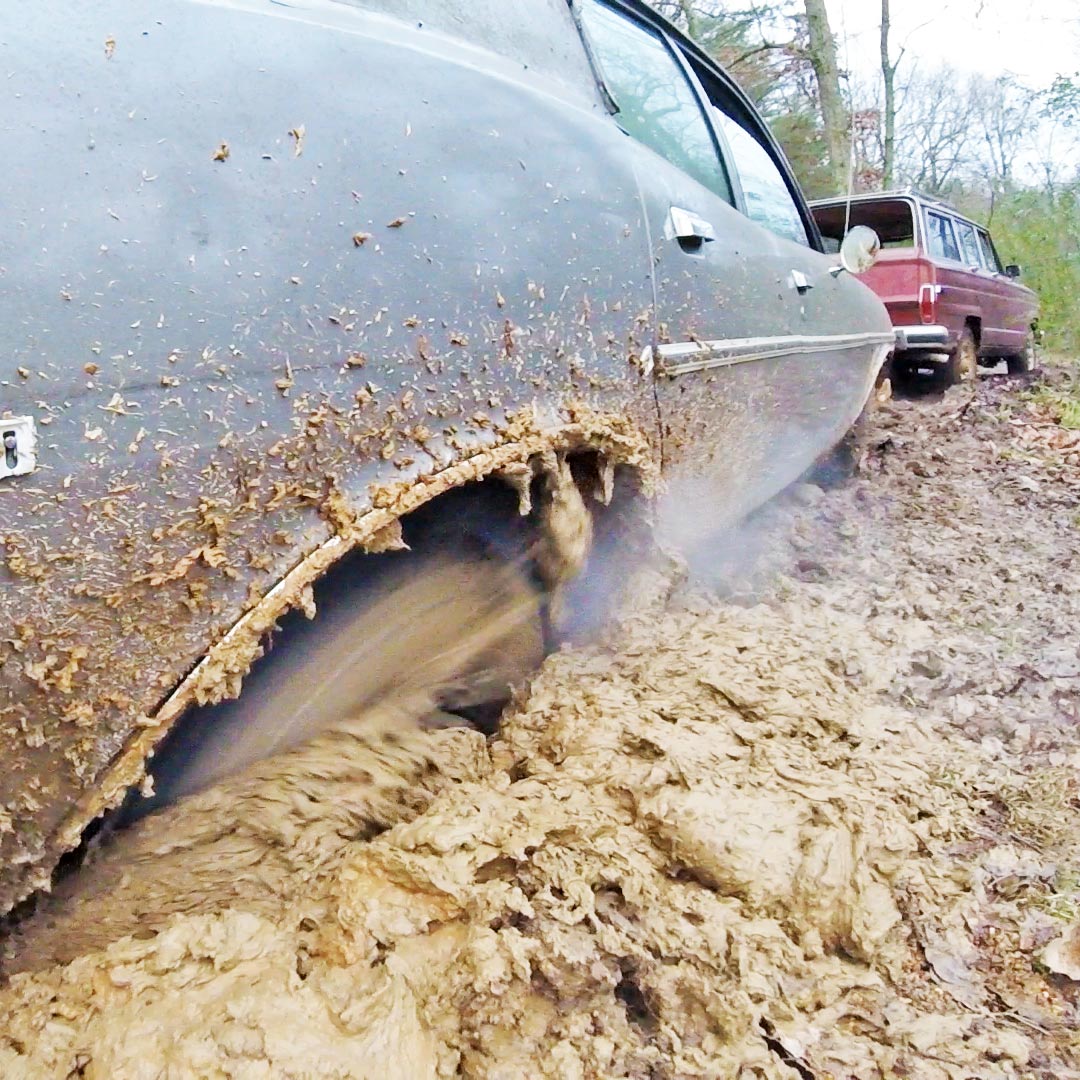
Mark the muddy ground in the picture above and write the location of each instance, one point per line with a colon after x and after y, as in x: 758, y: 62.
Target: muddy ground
x: 811, y: 813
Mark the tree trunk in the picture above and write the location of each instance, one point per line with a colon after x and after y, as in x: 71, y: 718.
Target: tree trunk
x: 693, y: 25
x: 834, y: 116
x: 888, y: 74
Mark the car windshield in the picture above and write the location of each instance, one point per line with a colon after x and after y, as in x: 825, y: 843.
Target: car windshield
x: 892, y: 219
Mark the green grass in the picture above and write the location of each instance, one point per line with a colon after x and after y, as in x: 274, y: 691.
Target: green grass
x: 1070, y: 414
x: 1060, y: 397
x: 1040, y: 230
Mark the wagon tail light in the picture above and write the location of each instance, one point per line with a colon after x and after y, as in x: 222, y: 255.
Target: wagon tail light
x: 927, y: 292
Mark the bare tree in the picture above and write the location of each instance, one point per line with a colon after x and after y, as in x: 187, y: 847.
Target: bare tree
x: 936, y: 130
x: 1004, y: 112
x: 690, y: 15
x: 888, y: 75
x: 822, y: 52
x: 942, y: 130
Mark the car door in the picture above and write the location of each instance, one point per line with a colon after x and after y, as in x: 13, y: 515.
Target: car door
x: 984, y: 295
x: 1013, y: 305
x: 753, y: 378
x: 959, y: 292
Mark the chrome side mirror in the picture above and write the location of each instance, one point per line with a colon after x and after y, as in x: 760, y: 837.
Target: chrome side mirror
x: 858, y: 252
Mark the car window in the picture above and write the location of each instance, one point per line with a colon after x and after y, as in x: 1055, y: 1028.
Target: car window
x: 768, y: 200
x: 941, y: 238
x: 892, y: 219
x: 990, y: 255
x: 969, y: 244
x: 657, y: 105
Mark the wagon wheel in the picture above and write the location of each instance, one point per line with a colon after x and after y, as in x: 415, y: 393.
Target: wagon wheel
x: 1026, y: 360
x: 963, y: 365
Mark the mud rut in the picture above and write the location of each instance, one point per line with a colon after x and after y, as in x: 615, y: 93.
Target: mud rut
x: 810, y: 814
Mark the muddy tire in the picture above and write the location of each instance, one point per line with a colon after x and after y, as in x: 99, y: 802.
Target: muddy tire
x: 1026, y: 361
x: 904, y: 372
x: 846, y: 459
x: 455, y: 624
x: 963, y: 363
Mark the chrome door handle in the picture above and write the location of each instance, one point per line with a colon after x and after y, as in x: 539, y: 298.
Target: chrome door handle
x: 687, y: 227
x: 800, y: 282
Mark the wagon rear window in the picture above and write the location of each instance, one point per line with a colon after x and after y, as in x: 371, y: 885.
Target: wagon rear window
x: 657, y: 105
x: 893, y: 220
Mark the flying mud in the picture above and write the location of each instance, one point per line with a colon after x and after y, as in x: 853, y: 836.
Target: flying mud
x: 811, y: 817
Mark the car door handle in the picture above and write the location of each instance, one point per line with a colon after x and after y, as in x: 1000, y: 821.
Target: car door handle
x: 800, y: 282
x: 689, y: 229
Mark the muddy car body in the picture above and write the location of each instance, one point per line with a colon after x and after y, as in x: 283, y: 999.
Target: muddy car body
x: 275, y: 276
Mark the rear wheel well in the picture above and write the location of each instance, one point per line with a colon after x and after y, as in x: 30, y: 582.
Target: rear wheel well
x: 962, y: 364
x: 367, y: 767
x: 511, y: 514
x: 601, y: 445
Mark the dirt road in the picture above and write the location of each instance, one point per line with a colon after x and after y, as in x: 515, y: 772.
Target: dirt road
x: 809, y: 815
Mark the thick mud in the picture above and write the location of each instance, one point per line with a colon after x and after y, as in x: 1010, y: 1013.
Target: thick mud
x: 810, y: 811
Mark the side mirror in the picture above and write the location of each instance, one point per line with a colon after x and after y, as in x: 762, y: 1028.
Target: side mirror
x: 858, y: 252
x: 1012, y: 270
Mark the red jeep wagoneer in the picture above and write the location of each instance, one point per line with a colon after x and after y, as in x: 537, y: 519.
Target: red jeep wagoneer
x: 953, y: 305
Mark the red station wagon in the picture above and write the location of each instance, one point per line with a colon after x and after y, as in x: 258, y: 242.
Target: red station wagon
x: 953, y: 305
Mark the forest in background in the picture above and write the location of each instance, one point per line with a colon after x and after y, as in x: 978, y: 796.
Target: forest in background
x: 1000, y: 151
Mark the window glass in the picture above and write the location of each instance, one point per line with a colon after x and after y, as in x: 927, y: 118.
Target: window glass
x: 940, y: 234
x: 892, y: 219
x: 657, y: 105
x: 990, y: 256
x: 969, y: 245
x: 768, y: 200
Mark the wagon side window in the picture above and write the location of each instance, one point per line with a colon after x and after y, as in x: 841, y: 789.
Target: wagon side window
x: 656, y: 103
x: 942, y: 239
x: 968, y: 243
x: 989, y: 253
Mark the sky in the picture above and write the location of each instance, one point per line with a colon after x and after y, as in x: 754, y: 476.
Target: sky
x: 1031, y: 39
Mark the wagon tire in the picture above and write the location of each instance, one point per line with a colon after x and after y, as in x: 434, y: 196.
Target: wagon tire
x: 1027, y: 360
x: 963, y: 363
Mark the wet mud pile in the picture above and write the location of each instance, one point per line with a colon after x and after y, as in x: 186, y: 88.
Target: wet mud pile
x: 816, y: 817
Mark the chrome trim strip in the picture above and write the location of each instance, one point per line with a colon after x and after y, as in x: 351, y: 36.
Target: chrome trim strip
x: 684, y: 357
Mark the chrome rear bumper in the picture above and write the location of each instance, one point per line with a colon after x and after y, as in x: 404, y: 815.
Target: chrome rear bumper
x: 932, y: 338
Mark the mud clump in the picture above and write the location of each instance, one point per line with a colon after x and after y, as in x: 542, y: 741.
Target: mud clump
x: 754, y: 837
